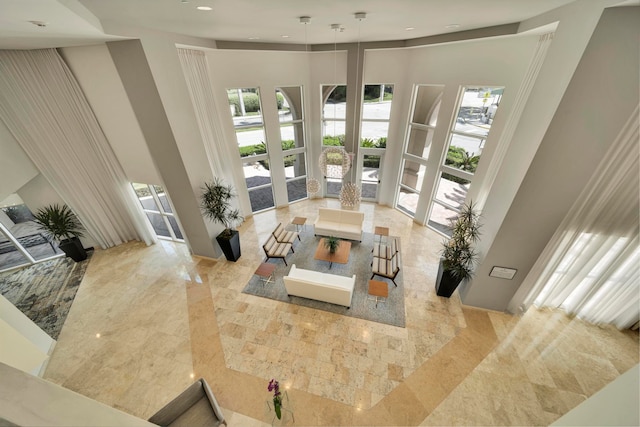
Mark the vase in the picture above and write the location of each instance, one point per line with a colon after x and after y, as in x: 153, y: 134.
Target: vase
x: 279, y: 412
x: 277, y: 406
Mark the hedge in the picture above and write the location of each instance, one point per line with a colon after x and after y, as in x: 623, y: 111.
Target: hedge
x: 252, y: 102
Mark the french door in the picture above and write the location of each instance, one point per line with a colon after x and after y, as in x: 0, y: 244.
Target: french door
x: 368, y: 172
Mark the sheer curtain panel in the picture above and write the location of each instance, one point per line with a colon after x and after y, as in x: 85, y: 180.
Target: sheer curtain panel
x: 194, y: 67
x: 592, y: 263
x: 44, y: 108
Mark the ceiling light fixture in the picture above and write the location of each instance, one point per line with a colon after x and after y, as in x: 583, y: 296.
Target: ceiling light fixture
x: 360, y: 16
x: 305, y: 20
x: 254, y: 38
x: 204, y: 8
x: 410, y: 28
x: 284, y: 36
x: 452, y: 26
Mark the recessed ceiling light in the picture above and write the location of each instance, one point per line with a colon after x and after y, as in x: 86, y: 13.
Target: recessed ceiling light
x: 452, y: 26
x: 204, y: 8
x: 284, y: 36
x: 410, y: 28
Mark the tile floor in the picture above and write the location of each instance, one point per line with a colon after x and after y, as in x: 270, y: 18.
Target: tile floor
x: 147, y: 321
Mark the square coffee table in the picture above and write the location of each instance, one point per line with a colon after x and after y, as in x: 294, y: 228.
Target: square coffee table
x: 341, y: 256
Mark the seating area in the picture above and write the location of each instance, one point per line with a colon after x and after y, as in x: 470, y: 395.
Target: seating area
x: 333, y: 288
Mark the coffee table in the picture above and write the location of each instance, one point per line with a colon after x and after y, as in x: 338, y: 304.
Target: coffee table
x: 341, y: 256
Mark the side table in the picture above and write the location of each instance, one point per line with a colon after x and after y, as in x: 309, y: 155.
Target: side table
x: 381, y: 231
x: 299, y: 221
x: 265, y: 271
x: 378, y: 290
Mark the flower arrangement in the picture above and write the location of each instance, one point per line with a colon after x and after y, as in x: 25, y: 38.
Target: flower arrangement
x: 274, y: 386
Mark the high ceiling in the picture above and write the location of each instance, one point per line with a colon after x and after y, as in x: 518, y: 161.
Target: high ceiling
x: 77, y: 22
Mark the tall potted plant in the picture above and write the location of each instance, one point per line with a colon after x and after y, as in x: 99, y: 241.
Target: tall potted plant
x: 458, y: 254
x: 61, y: 224
x: 216, y: 205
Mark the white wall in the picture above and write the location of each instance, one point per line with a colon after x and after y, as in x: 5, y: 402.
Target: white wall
x: 96, y: 74
x: 615, y: 405
x: 30, y: 401
x: 598, y: 101
x: 24, y: 345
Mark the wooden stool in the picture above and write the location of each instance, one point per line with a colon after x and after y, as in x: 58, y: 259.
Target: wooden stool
x: 378, y: 290
x: 265, y: 271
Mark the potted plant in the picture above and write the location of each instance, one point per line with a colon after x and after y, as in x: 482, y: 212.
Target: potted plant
x: 61, y: 224
x: 458, y: 255
x: 331, y: 243
x: 216, y: 204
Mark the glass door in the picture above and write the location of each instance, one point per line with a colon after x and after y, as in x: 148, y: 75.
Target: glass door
x: 369, y: 170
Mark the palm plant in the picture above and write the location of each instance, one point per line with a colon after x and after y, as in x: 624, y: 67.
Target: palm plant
x: 216, y: 205
x: 331, y: 243
x: 458, y: 254
x: 59, y: 222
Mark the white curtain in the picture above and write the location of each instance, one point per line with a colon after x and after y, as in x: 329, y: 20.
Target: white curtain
x: 194, y: 67
x: 44, y: 108
x: 592, y: 263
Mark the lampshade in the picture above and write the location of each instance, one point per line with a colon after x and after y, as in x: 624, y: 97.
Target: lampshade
x: 350, y: 195
x: 313, y: 186
x: 334, y: 162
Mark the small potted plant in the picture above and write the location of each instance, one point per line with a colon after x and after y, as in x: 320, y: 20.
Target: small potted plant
x: 458, y: 255
x: 215, y: 203
x: 61, y: 224
x: 332, y: 244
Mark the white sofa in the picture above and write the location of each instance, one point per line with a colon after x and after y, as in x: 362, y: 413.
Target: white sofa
x: 339, y: 223
x: 320, y: 286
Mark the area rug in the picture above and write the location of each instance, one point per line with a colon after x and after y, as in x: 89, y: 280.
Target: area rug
x: 363, y: 306
x: 45, y: 291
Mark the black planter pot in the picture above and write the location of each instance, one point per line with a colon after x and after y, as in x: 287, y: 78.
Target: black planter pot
x: 446, y: 283
x: 230, y: 245
x: 73, y: 248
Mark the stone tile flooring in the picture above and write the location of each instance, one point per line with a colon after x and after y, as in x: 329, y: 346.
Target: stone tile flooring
x: 147, y: 321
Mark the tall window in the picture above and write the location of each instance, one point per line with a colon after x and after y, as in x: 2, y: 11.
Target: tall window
x: 292, y: 132
x: 252, y: 144
x: 374, y: 129
x: 426, y: 105
x: 21, y: 240
x: 155, y: 204
x: 334, y: 116
x: 476, y: 109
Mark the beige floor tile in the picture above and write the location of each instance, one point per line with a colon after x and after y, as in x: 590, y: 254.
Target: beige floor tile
x: 166, y: 318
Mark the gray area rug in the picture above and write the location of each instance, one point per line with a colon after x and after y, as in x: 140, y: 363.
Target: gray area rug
x: 45, y: 291
x: 389, y: 311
